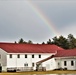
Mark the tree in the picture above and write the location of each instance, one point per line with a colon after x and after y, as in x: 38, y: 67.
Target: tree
x: 30, y: 42
x: 55, y: 41
x: 43, y: 42
x: 49, y: 42
x: 71, y: 41
x: 15, y: 42
x: 21, y: 41
x: 66, y: 43
x: 63, y: 42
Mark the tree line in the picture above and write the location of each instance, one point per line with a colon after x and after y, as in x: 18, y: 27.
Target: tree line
x: 66, y: 43
x: 21, y: 41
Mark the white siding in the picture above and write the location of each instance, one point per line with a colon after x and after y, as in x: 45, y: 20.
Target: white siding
x: 11, y: 62
x: 22, y: 60
x: 36, y: 59
x: 68, y: 63
x: 3, y: 59
x: 49, y: 64
x: 19, y: 62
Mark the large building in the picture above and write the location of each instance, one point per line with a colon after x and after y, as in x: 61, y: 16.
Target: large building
x: 26, y: 57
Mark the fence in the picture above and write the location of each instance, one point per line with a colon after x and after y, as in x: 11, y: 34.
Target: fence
x: 24, y: 69
x: 19, y: 69
x: 41, y: 69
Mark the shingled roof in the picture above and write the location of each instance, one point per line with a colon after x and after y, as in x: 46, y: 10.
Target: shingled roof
x: 29, y: 48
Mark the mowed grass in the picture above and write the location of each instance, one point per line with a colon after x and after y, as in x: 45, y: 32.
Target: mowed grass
x: 42, y: 72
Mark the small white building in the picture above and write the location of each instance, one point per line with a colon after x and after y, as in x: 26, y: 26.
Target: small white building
x: 66, y: 59
x: 63, y: 59
x: 24, y: 57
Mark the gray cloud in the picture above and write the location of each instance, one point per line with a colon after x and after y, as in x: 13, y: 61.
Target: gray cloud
x: 18, y: 20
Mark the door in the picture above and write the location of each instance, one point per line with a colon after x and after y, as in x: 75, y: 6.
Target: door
x: 0, y: 68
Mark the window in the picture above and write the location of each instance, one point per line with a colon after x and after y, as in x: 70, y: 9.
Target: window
x: 72, y: 63
x: 26, y: 64
x: 39, y: 56
x: 10, y: 55
x: 33, y: 56
x: 33, y: 64
x: 18, y: 56
x: 0, y: 64
x: 0, y: 56
x: 25, y: 55
x: 58, y: 63
x: 65, y: 63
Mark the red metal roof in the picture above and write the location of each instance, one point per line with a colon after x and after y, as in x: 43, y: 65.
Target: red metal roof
x: 29, y: 48
x: 66, y: 53
x: 43, y: 60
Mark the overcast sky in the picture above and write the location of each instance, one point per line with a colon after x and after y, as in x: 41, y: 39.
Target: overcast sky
x: 21, y: 19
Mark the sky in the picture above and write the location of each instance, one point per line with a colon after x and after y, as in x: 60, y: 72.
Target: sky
x: 36, y: 20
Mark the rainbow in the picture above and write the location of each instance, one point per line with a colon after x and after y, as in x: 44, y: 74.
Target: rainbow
x: 44, y: 18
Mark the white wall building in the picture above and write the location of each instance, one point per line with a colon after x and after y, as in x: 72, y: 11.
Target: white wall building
x: 66, y: 59
x: 25, y: 56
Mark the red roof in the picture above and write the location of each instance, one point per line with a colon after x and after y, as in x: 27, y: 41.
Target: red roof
x: 50, y: 57
x: 66, y: 53
x: 29, y: 48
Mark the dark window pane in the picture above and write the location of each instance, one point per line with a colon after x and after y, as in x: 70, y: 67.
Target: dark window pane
x: 65, y: 63
x: 39, y: 56
x: 72, y: 63
x: 25, y: 55
x: 18, y: 56
x: 26, y: 64
x: 10, y: 55
x: 33, y: 56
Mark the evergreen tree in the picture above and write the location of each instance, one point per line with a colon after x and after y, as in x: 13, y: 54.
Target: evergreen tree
x: 71, y: 41
x: 49, y: 42
x: 30, y: 42
x: 66, y: 43
x: 63, y: 42
x: 15, y: 42
x: 55, y: 41
x: 21, y: 41
x: 43, y: 42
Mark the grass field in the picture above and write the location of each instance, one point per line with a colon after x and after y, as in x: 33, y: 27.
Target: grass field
x: 35, y: 72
